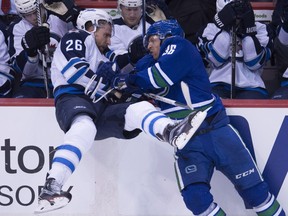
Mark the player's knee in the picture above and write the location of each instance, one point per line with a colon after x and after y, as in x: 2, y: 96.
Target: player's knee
x: 255, y: 195
x: 197, y: 197
x: 134, y: 113
x: 262, y: 201
x: 81, y: 133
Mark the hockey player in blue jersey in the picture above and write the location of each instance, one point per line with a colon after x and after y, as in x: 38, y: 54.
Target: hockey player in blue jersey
x: 76, y: 61
x: 216, y: 144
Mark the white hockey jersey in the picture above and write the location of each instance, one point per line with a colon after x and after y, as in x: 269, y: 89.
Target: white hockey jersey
x: 216, y: 45
x: 283, y: 38
x: 5, y: 70
x: 123, y: 34
x: 75, y: 61
x: 33, y: 69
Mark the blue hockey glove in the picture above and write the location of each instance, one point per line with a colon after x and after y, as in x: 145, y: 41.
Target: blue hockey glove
x: 124, y: 83
x: 107, y: 71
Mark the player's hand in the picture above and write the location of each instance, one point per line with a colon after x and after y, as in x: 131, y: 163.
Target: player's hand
x: 225, y: 18
x: 136, y: 50
x: 157, y: 10
x: 247, y: 25
x: 124, y: 84
x: 107, y: 71
x: 66, y: 10
x: 34, y: 39
x: 284, y: 16
x: 6, y: 83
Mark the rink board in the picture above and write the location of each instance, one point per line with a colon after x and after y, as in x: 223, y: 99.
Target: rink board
x: 128, y: 178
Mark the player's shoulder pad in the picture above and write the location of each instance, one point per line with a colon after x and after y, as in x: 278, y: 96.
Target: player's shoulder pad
x: 119, y: 21
x: 76, y: 34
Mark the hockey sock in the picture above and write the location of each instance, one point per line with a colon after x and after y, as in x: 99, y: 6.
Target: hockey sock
x: 77, y: 141
x: 270, y: 207
x: 145, y: 116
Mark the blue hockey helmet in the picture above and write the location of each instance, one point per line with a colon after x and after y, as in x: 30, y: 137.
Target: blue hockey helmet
x: 163, y: 29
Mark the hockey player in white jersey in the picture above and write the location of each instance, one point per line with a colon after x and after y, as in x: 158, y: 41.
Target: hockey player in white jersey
x: 26, y: 39
x: 77, y: 60
x: 7, y: 74
x: 253, y: 50
x: 281, y: 48
x: 128, y: 27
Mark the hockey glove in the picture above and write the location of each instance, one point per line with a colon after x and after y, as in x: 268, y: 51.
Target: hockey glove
x: 6, y: 82
x: 157, y: 10
x: 247, y: 25
x: 241, y: 7
x: 284, y: 17
x: 66, y: 10
x: 124, y: 83
x: 225, y: 18
x: 107, y: 71
x: 136, y: 49
x: 34, y: 39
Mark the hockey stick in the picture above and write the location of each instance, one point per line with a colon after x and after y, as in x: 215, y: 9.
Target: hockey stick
x: 45, y: 52
x: 233, y: 61
x: 166, y: 100
x: 143, y: 18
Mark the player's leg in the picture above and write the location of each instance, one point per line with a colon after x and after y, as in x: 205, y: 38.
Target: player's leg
x: 145, y: 116
x: 194, y: 171
x: 78, y: 139
x: 263, y: 202
x: 237, y: 164
x: 199, y: 200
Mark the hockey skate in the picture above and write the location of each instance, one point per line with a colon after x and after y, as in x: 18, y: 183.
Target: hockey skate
x: 52, y: 197
x: 178, y: 135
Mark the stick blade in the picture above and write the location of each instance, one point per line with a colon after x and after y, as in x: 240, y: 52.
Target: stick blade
x: 186, y: 94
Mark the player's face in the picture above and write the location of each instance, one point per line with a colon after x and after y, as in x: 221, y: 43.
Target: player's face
x: 154, y: 44
x: 31, y: 18
x: 131, y: 15
x: 103, y: 37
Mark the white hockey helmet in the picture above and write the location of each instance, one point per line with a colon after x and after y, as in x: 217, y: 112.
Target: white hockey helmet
x: 25, y: 6
x: 221, y: 3
x: 130, y: 3
x: 93, y: 15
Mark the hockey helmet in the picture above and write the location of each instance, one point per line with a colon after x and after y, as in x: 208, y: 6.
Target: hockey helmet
x: 97, y: 17
x: 221, y: 3
x: 130, y: 3
x: 163, y: 29
x: 25, y: 6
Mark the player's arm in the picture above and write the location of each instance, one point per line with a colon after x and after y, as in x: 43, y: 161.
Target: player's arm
x: 166, y: 71
x: 256, y: 40
x: 214, y: 45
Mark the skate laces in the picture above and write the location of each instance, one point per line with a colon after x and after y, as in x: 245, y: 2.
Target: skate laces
x: 51, y: 187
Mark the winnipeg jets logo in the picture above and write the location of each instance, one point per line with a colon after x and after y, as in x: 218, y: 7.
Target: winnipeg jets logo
x: 170, y: 49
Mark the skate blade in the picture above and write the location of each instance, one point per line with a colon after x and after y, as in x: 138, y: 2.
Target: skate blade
x: 196, y: 121
x: 46, y: 206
